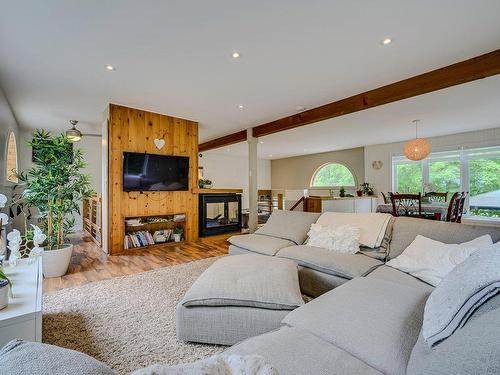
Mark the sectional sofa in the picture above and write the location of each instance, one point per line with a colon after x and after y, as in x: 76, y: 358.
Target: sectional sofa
x: 368, y: 316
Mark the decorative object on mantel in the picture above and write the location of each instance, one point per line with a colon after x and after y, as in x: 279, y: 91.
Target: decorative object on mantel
x: 418, y: 148
x: 377, y: 164
x: 159, y: 143
x: 204, y: 183
x: 367, y: 189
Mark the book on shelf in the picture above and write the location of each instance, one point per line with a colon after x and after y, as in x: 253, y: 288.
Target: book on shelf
x: 138, y: 239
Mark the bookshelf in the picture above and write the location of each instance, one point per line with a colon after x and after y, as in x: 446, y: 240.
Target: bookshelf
x: 265, y: 205
x: 143, y: 232
x: 92, y: 218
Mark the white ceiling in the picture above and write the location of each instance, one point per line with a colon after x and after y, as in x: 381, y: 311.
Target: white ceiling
x: 174, y: 57
x: 468, y: 107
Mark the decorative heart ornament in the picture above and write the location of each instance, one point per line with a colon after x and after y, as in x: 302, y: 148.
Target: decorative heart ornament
x: 159, y: 143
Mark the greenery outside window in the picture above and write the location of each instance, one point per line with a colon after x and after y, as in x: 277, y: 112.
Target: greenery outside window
x: 476, y: 171
x: 333, y: 175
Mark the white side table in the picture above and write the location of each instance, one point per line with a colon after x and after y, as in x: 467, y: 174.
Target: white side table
x: 22, y: 318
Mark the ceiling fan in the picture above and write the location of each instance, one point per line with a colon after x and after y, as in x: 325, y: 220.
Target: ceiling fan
x: 75, y: 135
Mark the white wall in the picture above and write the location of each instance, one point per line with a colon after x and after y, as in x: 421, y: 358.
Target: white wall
x: 382, y: 178
x: 231, y: 171
x: 91, y: 149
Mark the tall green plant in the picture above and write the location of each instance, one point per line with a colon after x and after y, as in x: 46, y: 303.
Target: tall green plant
x: 55, y: 184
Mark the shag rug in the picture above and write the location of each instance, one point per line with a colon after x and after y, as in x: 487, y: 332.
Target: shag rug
x: 126, y: 322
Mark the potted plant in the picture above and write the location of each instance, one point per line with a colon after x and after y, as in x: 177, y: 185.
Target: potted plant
x: 178, y: 231
x: 4, y: 289
x: 55, y: 185
x: 367, y: 189
x: 204, y: 183
x: 342, y: 192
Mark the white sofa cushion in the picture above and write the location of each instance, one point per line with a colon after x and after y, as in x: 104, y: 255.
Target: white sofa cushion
x: 342, y: 239
x: 332, y: 263
x: 377, y: 321
x: 289, y: 225
x: 250, y: 280
x: 431, y: 260
x: 258, y: 243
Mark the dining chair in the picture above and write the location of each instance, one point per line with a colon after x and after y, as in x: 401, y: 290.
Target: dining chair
x: 450, y: 215
x: 385, y: 198
x: 460, y: 207
x: 443, y: 197
x: 407, y: 205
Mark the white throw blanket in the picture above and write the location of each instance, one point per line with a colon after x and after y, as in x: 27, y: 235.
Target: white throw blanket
x: 372, y: 226
x: 216, y: 365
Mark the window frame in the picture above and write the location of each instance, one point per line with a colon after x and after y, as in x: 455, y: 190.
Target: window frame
x: 464, y: 156
x: 311, y: 182
x: 8, y: 171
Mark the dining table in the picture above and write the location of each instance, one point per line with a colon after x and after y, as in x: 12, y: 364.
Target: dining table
x: 439, y: 209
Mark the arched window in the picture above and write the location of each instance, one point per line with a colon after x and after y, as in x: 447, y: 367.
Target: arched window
x: 333, y: 175
x: 11, y: 165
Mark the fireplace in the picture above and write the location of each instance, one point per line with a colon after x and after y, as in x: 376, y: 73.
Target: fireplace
x: 219, y: 213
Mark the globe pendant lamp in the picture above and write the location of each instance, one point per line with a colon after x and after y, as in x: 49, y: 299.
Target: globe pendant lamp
x: 73, y: 134
x: 418, y: 148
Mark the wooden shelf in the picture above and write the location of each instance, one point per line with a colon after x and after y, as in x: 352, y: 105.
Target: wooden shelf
x: 152, y: 227
x: 92, y: 218
x: 216, y: 191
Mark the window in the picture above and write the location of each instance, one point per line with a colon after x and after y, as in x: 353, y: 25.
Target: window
x: 11, y: 165
x: 475, y: 170
x: 333, y: 175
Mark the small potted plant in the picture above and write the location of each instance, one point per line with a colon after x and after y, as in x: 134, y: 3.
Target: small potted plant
x: 178, y: 231
x: 5, y: 286
x: 367, y: 189
x: 342, y: 192
x: 204, y: 183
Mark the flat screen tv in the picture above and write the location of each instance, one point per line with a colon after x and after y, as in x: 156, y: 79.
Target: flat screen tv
x: 150, y: 172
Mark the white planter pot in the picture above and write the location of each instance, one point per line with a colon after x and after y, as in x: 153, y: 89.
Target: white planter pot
x: 177, y: 237
x: 55, y: 262
x: 4, y: 296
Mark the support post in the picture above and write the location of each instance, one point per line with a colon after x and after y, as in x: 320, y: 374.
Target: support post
x: 252, y: 182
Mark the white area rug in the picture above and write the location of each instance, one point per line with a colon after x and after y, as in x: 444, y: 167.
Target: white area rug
x: 126, y: 322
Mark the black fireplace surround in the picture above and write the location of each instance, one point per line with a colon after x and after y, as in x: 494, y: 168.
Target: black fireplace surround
x: 219, y: 213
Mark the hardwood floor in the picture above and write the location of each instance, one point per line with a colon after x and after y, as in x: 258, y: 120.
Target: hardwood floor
x: 89, y: 263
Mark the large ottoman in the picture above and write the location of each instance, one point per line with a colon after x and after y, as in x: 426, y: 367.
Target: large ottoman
x: 238, y: 297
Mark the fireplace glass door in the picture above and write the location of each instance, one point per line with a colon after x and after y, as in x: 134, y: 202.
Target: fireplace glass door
x: 219, y: 213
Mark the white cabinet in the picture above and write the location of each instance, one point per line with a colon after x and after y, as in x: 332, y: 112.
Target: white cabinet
x: 350, y: 205
x: 22, y: 318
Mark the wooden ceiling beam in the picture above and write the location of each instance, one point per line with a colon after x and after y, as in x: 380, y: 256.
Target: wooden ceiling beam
x: 466, y: 71
x: 223, y: 141
x: 483, y: 66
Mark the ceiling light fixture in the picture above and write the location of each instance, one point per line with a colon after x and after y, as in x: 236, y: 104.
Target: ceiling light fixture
x: 386, y: 41
x: 240, y: 106
x: 236, y: 55
x: 111, y: 68
x: 300, y: 108
x: 418, y: 148
x: 73, y: 134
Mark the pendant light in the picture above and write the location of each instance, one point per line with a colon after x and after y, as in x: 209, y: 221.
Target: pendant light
x: 73, y: 134
x: 418, y: 148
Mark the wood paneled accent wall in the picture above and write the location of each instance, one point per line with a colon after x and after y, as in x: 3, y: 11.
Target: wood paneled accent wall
x: 134, y: 130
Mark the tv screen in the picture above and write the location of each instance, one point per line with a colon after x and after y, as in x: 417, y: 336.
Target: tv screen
x: 149, y: 172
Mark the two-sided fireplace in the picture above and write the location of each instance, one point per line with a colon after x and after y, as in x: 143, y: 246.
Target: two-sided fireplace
x: 219, y: 213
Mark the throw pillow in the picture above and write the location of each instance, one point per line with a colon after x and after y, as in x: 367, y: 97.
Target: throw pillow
x: 342, y: 239
x: 461, y: 293
x: 431, y: 260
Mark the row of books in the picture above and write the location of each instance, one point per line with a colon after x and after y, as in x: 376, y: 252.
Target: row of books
x: 138, y: 239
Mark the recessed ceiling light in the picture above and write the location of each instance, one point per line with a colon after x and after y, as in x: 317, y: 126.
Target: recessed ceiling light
x: 110, y: 67
x: 261, y: 142
x: 228, y: 149
x: 270, y: 155
x: 236, y: 55
x: 300, y: 108
x: 240, y: 106
x: 386, y: 41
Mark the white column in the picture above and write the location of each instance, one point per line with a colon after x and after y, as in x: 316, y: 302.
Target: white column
x: 252, y: 182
